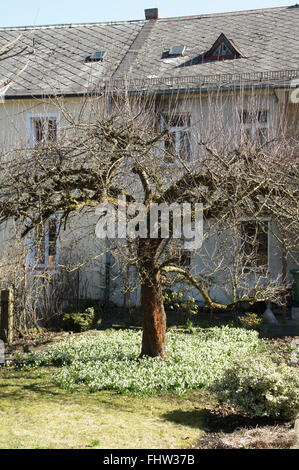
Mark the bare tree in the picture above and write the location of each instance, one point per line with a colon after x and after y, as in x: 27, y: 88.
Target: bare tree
x: 146, y: 148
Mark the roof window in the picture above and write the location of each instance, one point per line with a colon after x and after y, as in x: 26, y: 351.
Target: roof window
x: 96, y: 56
x: 174, y: 51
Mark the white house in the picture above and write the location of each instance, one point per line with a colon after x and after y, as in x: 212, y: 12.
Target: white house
x: 240, y: 56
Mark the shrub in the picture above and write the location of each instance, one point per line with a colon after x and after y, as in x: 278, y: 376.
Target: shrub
x: 90, y: 303
x: 174, y: 301
x: 251, y: 321
x: 79, y: 322
x: 82, y: 305
x: 259, y: 388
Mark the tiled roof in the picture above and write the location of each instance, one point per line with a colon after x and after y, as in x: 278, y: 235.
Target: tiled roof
x: 56, y: 55
x: 267, y: 39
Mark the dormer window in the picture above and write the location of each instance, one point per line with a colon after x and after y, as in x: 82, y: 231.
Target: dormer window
x: 222, y: 49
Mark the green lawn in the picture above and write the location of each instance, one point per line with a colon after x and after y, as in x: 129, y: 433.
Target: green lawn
x: 36, y: 414
x: 93, y: 390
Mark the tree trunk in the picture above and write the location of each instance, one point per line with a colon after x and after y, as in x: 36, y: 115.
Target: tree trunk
x: 153, y: 318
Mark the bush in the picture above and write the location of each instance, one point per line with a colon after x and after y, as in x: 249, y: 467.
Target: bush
x: 79, y: 322
x: 251, y: 321
x: 90, y: 303
x: 174, y: 301
x: 257, y: 387
x: 82, y: 305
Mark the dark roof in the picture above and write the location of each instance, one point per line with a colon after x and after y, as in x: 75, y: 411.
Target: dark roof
x: 56, y: 55
x: 267, y: 40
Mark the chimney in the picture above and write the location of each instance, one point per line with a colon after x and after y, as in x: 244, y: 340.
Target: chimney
x: 153, y: 14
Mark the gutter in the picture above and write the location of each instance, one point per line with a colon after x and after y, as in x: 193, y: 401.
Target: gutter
x: 166, y: 85
x: 169, y: 91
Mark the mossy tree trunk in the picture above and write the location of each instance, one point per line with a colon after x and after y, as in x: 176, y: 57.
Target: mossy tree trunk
x: 152, y: 307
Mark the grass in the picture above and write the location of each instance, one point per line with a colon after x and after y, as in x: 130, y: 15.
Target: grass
x: 35, y: 414
x: 110, y: 360
x: 47, y: 402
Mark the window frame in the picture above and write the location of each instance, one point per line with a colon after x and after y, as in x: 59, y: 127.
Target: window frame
x: 254, y: 126
x: 32, y: 254
x: 261, y: 268
x: 178, y: 131
x: 30, y: 117
x: 179, y: 253
x: 185, y: 255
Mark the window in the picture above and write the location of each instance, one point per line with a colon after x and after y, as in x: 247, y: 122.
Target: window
x: 177, y: 254
x: 45, y: 252
x: 174, y: 51
x: 255, y: 243
x: 185, y: 258
x: 254, y: 126
x: 222, y: 49
x: 96, y: 56
x: 42, y: 129
x: 177, y: 142
x: 177, y: 50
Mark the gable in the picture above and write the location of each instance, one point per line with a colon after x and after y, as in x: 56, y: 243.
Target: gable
x: 222, y: 49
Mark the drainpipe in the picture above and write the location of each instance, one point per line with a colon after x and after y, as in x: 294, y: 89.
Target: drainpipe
x: 284, y: 255
x: 107, y: 275
x: 126, y: 287
x: 286, y: 110
x: 284, y: 282
x: 108, y: 254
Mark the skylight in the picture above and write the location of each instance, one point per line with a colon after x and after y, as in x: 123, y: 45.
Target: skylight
x: 96, y: 56
x: 176, y: 51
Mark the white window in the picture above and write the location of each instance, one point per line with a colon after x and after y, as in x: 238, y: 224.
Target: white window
x: 42, y: 129
x: 46, y: 247
x: 178, y: 141
x: 255, y: 243
x: 254, y: 126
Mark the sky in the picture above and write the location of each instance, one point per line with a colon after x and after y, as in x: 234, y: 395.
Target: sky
x: 41, y: 12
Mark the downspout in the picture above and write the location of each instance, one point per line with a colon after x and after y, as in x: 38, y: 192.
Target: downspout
x: 126, y: 292
x: 107, y: 275
x: 284, y: 281
x: 284, y: 255
x: 108, y: 254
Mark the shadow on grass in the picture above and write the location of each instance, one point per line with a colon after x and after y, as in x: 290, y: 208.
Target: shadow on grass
x: 213, y: 421
x: 194, y: 418
x: 21, y: 388
x: 217, y: 421
x: 22, y: 391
